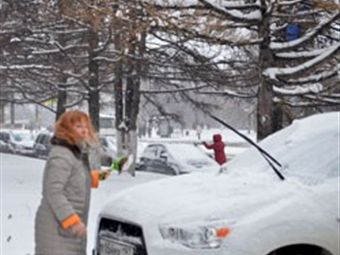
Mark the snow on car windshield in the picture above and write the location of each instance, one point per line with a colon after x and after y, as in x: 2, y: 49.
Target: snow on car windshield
x: 22, y: 136
x: 308, y: 150
x: 189, y: 154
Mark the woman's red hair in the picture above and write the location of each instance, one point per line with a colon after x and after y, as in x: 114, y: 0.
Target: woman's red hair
x: 64, y: 127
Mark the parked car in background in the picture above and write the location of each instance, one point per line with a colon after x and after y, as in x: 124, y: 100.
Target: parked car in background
x: 5, y: 147
x: 245, y: 210
x: 175, y: 159
x: 108, y: 150
x: 42, y: 145
x: 25, y: 138
x: 13, y: 140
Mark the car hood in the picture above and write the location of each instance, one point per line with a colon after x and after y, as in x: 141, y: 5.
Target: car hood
x: 27, y: 144
x: 199, y: 196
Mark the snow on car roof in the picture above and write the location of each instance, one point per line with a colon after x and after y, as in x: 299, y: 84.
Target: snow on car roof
x: 305, y: 148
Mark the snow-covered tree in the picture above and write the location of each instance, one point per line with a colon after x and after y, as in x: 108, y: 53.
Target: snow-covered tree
x: 73, y: 50
x: 250, y: 45
x: 298, y: 52
x: 54, y: 50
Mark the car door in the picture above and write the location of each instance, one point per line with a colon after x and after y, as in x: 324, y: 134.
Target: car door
x: 47, y: 143
x: 147, y: 158
x: 5, y: 137
x: 37, y: 146
x: 161, y: 162
x: 154, y: 164
x: 42, y: 145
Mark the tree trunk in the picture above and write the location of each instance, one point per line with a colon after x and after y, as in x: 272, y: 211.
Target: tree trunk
x: 265, y: 93
x: 12, y: 114
x: 132, y: 99
x: 127, y: 142
x: 93, y: 100
x: 277, y: 117
x: 94, y: 108
x: 127, y: 97
x: 2, y: 113
x: 132, y: 108
x: 118, y: 96
x: 61, y: 102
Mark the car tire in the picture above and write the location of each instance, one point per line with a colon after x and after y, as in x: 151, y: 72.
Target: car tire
x: 299, y: 250
x: 39, y: 154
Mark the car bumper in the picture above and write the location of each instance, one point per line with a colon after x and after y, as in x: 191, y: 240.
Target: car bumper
x: 171, y: 249
x: 150, y: 241
x: 26, y: 151
x: 165, y: 248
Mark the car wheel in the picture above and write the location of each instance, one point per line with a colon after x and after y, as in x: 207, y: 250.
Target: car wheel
x: 175, y: 169
x: 298, y: 250
x: 39, y: 154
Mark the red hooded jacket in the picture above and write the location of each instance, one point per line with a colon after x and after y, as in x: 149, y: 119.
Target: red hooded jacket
x: 218, y: 147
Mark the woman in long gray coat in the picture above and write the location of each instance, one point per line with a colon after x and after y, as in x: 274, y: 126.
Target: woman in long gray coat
x: 61, y: 219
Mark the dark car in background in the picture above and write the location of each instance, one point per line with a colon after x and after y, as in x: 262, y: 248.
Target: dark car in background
x: 6, y: 145
x: 175, y: 159
x: 12, y: 140
x: 42, y: 145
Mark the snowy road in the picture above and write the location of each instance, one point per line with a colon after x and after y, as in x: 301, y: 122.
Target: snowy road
x: 21, y: 185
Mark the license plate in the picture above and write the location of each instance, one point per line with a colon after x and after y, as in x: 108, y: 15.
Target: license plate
x: 111, y: 247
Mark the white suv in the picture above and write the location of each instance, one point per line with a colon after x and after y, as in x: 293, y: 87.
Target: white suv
x: 246, y: 210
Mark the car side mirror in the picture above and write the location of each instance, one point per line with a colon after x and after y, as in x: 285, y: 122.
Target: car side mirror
x: 164, y: 157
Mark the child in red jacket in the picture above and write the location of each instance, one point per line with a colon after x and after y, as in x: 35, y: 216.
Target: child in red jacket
x: 218, y: 147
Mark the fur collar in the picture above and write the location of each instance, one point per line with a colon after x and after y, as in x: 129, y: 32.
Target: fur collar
x: 72, y: 147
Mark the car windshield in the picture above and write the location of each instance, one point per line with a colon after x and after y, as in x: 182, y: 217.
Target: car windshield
x: 306, y: 151
x: 24, y: 136
x: 189, y: 154
x: 17, y: 137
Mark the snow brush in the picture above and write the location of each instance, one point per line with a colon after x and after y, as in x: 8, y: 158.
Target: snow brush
x: 121, y: 164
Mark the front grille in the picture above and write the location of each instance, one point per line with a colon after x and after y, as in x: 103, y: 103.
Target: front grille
x: 122, y: 232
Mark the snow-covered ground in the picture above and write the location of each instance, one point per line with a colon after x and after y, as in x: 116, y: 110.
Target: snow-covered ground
x: 21, y: 185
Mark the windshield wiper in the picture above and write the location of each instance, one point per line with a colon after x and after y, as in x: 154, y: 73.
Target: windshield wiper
x: 270, y: 159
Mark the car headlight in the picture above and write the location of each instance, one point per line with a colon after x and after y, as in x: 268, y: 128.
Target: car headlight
x: 209, y: 236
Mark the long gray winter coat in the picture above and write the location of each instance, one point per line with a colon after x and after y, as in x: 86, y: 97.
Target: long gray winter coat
x: 66, y: 191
